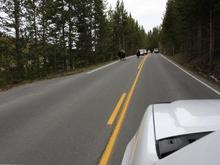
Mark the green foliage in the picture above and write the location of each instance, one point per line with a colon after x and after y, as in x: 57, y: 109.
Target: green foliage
x: 153, y: 38
x: 41, y: 37
x: 126, y: 32
x: 191, y: 28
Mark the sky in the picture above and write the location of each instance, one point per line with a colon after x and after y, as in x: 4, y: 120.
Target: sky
x: 148, y: 13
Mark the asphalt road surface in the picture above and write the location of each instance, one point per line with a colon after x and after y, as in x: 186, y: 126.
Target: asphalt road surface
x: 65, y: 120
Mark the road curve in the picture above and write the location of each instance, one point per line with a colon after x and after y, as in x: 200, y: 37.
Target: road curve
x: 64, y: 120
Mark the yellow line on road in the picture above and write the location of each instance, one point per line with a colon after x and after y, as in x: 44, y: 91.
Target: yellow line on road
x: 141, y: 63
x: 110, y: 145
x: 116, y: 110
x: 139, y: 66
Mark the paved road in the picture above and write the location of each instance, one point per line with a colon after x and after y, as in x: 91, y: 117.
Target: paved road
x: 64, y: 120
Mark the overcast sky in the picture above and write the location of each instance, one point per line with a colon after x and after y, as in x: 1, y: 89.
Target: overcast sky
x: 149, y: 13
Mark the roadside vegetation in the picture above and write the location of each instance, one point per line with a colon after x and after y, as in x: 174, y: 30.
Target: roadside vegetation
x: 190, y: 33
x: 45, y: 37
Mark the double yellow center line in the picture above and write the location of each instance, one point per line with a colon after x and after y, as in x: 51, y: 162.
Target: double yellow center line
x: 116, y: 110
x: 109, y: 148
x: 141, y: 64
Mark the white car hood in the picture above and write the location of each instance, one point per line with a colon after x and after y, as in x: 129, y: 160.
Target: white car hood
x: 204, y: 151
x: 185, y: 117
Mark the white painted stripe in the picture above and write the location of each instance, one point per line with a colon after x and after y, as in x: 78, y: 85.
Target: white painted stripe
x: 102, y: 67
x: 130, y: 57
x: 105, y: 66
x: 203, y: 83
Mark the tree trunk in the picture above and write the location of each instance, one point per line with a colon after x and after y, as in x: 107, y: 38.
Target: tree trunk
x: 35, y: 24
x: 35, y: 39
x: 43, y: 23
x: 63, y: 37
x: 70, y: 36
x: 17, y: 37
x: 211, y: 36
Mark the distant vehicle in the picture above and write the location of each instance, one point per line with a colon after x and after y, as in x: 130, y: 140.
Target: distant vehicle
x: 143, y: 52
x: 156, y: 50
x: 148, y: 51
x: 182, y: 132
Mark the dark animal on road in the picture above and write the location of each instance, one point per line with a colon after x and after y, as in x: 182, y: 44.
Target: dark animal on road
x: 122, y: 54
x: 138, y: 53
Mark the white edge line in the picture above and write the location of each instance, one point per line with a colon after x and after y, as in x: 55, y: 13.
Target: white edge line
x: 102, y: 67
x: 211, y: 88
x: 130, y: 57
x: 105, y: 66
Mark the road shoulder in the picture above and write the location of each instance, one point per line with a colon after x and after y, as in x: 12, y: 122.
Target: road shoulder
x: 213, y: 85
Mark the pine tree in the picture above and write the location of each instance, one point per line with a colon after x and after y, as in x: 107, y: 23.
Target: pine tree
x: 40, y: 37
x: 71, y: 30
x: 84, y: 31
x: 100, y: 30
x: 12, y: 22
